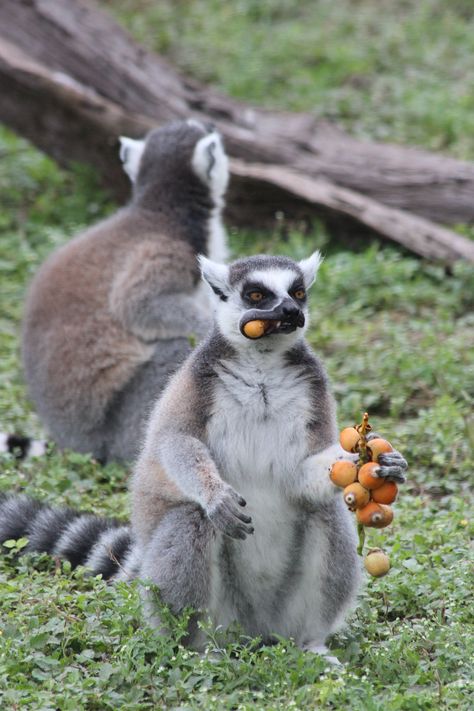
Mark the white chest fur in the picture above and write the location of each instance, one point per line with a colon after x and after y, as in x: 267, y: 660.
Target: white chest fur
x: 257, y: 432
x: 258, y: 438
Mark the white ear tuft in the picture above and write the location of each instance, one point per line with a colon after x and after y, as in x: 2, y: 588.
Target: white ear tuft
x: 216, y: 275
x: 131, y: 151
x: 309, y: 267
x: 210, y: 163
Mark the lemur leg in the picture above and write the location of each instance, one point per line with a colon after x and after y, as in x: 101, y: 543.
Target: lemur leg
x: 178, y: 560
x: 332, y: 576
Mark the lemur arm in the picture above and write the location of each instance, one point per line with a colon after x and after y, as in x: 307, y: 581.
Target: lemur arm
x: 312, y: 484
x: 175, y: 445
x: 153, y: 295
x: 315, y: 485
x: 188, y: 463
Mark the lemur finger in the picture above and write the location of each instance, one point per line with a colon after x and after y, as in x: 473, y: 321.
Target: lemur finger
x: 225, y: 522
x: 242, y: 517
x: 240, y: 500
x: 374, y: 435
x: 247, y: 529
x: 226, y: 517
x: 238, y: 531
x: 235, y: 534
x: 392, y: 474
x: 392, y: 459
x: 238, y: 514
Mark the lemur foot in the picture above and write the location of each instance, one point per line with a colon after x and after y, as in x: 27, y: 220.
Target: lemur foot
x: 393, y: 465
x: 323, y: 651
x: 227, y: 517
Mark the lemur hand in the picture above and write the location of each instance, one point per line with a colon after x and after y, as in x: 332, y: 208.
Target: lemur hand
x: 226, y: 516
x: 314, y: 486
x: 334, y: 453
x: 393, y: 465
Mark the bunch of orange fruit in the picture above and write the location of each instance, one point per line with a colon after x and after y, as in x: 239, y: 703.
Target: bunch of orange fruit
x: 366, y: 494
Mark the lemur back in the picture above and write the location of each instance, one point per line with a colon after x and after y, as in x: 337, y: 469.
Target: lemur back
x: 110, y: 315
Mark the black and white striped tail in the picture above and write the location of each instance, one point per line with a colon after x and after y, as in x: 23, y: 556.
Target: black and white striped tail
x: 102, y: 545
x: 21, y: 446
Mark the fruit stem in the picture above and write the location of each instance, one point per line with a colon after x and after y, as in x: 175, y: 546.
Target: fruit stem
x: 361, y: 532
x: 363, y: 429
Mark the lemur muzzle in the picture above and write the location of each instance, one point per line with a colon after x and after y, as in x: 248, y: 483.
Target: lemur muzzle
x: 286, y: 317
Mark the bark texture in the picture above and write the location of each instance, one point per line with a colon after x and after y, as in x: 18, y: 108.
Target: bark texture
x: 72, y: 81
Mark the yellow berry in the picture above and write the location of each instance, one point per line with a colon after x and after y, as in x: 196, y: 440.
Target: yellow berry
x: 375, y: 515
x: 343, y: 473
x: 356, y: 496
x: 349, y: 439
x: 377, y: 563
x: 378, y: 446
x: 366, y: 476
x: 385, y: 494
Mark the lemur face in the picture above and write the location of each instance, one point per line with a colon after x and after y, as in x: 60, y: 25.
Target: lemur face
x: 175, y: 154
x: 273, y: 289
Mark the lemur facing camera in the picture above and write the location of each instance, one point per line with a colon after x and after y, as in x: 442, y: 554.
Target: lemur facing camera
x: 233, y: 510
x: 109, y: 315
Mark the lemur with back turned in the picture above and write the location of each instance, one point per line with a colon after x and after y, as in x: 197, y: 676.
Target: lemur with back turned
x: 109, y: 315
x: 233, y: 510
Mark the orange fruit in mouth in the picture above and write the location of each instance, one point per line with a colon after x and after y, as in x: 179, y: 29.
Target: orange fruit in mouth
x: 254, y: 329
x: 343, y: 473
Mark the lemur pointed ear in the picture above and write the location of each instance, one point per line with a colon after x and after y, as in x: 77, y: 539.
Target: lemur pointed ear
x: 309, y: 267
x: 216, y: 275
x: 131, y: 151
x: 210, y: 163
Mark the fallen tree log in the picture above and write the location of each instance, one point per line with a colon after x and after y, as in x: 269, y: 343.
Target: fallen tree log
x: 415, y: 233
x: 72, y: 80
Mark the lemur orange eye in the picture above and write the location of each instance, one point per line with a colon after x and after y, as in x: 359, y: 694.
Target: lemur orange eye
x: 255, y: 296
x: 299, y: 294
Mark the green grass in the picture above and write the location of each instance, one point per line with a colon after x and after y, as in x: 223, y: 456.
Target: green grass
x: 397, y: 336
x: 389, y: 70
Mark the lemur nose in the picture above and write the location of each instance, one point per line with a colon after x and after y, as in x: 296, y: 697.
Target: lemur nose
x: 290, y: 309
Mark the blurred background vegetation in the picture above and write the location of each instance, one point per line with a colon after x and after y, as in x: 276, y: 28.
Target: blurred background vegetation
x: 396, y: 333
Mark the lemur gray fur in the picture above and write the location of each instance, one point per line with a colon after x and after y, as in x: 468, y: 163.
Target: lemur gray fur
x: 109, y: 315
x: 233, y: 510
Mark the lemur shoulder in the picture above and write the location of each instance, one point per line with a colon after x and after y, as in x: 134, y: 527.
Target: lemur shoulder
x: 109, y: 315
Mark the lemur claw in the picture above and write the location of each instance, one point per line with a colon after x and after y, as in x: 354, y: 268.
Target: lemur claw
x: 227, y: 518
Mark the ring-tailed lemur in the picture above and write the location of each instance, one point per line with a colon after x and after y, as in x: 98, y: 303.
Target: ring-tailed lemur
x: 233, y: 510
x: 109, y: 316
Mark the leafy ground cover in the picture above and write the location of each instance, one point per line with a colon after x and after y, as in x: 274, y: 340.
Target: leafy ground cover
x: 397, y: 336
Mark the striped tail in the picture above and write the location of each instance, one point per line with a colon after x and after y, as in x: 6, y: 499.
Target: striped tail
x: 102, y: 545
